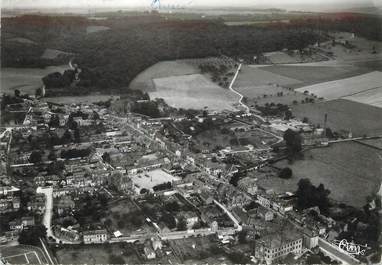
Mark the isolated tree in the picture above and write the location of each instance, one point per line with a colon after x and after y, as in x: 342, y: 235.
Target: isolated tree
x: 54, y: 121
x: 114, y: 259
x: 182, y: 224
x: 95, y: 115
x: 172, y: 206
x: 77, y: 136
x: 136, y: 220
x: 52, y: 156
x: 17, y: 93
x: 106, y: 157
x: 287, y: 115
x: 308, y: 195
x: 242, y: 237
x: 285, y: 173
x: 169, y: 220
x: 66, y: 137
x: 293, y: 141
x: 329, y: 133
x: 35, y: 157
x: 38, y: 92
x: 144, y: 191
x: 32, y: 235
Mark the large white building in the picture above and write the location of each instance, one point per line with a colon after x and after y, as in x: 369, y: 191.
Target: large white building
x: 95, y: 236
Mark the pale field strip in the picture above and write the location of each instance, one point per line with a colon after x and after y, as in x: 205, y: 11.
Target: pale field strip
x: 93, y: 29
x: 194, y: 91
x: 22, y: 40
x: 371, y: 97
x: 53, y: 53
x: 345, y: 87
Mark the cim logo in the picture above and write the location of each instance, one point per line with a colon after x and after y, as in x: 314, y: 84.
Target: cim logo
x: 170, y: 4
x: 350, y: 247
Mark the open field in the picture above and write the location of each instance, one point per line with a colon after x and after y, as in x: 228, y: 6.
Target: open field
x: 152, y: 178
x: 193, y: 91
x: 371, y: 97
x: 95, y: 254
x: 343, y: 115
x: 345, y: 87
x: 26, y: 79
x: 144, y: 81
x: 256, y: 76
x: 23, y: 254
x: 350, y: 170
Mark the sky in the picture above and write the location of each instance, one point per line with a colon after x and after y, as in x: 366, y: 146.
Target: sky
x: 190, y: 3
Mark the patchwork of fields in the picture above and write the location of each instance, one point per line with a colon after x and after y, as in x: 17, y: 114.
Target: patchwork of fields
x: 350, y: 170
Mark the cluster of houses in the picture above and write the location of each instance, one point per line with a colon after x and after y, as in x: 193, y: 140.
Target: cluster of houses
x: 9, y: 199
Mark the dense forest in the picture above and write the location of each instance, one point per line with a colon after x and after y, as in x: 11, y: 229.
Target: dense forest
x: 112, y: 58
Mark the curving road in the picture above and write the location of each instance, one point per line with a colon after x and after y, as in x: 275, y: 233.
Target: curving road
x: 236, y: 92
x: 280, y: 139
x: 47, y: 221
